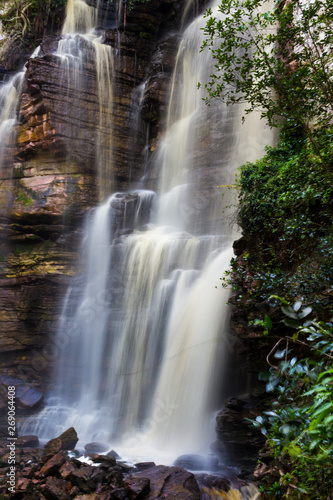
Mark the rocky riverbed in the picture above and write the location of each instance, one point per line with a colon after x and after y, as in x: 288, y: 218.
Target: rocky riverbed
x: 59, y: 471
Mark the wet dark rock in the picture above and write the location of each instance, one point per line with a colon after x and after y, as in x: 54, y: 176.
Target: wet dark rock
x: 197, y: 462
x: 209, y: 482
x: 138, y: 485
x: 120, y: 494
x: 56, y: 489
x: 75, y: 491
x: 144, y: 465
x: 125, y: 467
x: 169, y: 482
x: 232, y: 426
x: 115, y: 478
x: 25, y: 395
x: 24, y: 485
x: 103, y: 460
x: 52, y: 466
x: 24, y: 301
x: 31, y: 398
x: 29, y: 471
x: 239, y: 246
x: 68, y: 468
x: 32, y: 455
x: 238, y: 441
x: 113, y: 454
x: 92, y: 448
x: 104, y: 492
x: 235, y: 404
x: 27, y: 442
x: 4, y: 454
x: 87, y: 477
x: 22, y: 442
x: 66, y: 441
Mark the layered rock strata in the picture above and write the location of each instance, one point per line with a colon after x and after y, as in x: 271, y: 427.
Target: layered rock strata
x: 51, y: 183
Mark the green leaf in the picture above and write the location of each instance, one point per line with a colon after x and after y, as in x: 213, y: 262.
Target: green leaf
x: 271, y: 413
x: 305, y: 312
x: 328, y: 420
x: 268, y: 322
x: 322, y: 409
x: 324, y: 374
x: 288, y: 311
x: 291, y: 322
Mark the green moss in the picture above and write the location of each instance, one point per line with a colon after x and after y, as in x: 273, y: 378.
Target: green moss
x: 145, y: 35
x: 22, y: 197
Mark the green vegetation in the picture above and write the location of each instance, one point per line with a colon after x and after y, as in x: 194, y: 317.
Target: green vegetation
x: 24, y: 17
x: 286, y: 73
x: 24, y: 198
x: 24, y: 194
x: 299, y: 425
x: 280, y: 61
x: 285, y: 209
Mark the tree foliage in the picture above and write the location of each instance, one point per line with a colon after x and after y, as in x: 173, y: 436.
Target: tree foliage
x: 278, y: 60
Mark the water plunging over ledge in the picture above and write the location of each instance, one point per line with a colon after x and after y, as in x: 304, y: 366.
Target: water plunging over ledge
x: 9, y: 98
x: 144, y: 328
x: 81, y: 45
x: 10, y: 94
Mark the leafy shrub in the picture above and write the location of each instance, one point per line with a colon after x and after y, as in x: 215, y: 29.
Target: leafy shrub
x: 277, y: 58
x: 285, y: 212
x: 299, y: 425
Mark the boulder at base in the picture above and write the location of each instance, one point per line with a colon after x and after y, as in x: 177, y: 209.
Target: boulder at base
x: 165, y: 482
x: 66, y: 441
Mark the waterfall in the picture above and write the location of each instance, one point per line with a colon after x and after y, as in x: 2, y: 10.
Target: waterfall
x: 80, y: 17
x: 9, y: 99
x: 145, y: 327
x: 79, y: 46
x: 10, y: 94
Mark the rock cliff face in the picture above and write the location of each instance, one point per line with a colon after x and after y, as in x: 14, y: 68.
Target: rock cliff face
x: 50, y: 183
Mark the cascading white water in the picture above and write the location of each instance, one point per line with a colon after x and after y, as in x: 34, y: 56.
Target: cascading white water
x: 92, y: 343
x: 80, y: 45
x: 145, y: 326
x: 80, y: 17
x: 9, y: 98
x: 10, y: 94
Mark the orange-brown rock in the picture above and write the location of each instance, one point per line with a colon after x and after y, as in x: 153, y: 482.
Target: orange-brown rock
x: 66, y: 441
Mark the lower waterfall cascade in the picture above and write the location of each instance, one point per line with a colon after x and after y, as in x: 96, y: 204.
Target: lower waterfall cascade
x: 144, y: 333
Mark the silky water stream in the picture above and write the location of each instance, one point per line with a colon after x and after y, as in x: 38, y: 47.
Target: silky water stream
x: 10, y: 94
x: 145, y: 328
